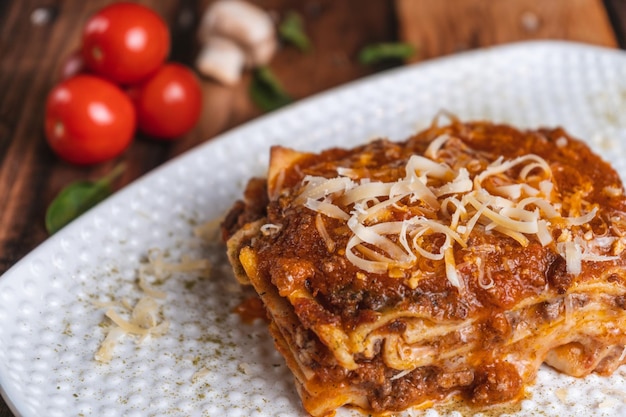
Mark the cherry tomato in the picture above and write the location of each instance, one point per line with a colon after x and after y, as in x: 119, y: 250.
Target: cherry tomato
x: 125, y: 42
x: 88, y: 120
x: 169, y: 103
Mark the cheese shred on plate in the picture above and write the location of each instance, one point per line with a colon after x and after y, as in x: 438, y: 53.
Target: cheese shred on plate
x: 145, y: 318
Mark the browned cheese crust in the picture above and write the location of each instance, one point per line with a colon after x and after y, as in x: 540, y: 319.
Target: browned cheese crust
x: 501, y: 250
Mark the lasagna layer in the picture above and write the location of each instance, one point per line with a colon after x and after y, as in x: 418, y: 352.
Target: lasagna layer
x: 452, y: 264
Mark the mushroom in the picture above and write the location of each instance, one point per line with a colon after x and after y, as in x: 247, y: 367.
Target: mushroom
x: 221, y: 59
x: 228, y: 25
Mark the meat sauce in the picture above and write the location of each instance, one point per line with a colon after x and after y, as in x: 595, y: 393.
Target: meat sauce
x: 298, y: 254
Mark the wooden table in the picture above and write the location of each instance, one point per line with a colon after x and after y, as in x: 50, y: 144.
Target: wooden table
x: 32, y: 50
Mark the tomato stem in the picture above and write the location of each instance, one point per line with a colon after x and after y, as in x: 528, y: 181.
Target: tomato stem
x: 59, y: 129
x: 114, y: 174
x: 97, y: 53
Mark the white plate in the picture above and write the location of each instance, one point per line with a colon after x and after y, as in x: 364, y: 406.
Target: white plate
x: 50, y: 325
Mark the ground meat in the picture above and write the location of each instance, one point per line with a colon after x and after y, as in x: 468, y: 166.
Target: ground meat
x: 251, y: 208
x: 558, y: 277
x: 495, y: 383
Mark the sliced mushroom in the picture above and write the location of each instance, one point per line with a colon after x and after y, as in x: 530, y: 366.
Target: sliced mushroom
x: 262, y: 53
x: 221, y: 59
x: 249, y: 26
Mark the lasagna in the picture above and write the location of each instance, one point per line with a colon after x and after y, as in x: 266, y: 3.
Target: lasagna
x: 447, y: 266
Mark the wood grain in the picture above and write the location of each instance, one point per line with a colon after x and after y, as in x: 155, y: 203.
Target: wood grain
x: 616, y: 10
x: 439, y: 28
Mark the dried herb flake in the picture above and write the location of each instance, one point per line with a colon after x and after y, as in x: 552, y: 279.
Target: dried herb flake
x: 385, y: 51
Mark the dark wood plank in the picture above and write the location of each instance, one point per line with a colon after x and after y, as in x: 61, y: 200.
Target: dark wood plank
x: 441, y: 28
x: 616, y: 9
x: 4, y: 409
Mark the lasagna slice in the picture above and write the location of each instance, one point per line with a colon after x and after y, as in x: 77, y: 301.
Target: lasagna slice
x: 451, y: 265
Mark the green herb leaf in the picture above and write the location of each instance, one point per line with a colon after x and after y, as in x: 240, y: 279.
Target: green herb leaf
x: 291, y: 30
x: 378, y: 52
x: 266, y: 91
x: 77, y: 198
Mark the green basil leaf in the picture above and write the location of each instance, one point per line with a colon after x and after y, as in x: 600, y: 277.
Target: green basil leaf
x: 378, y: 52
x: 291, y: 30
x: 77, y: 198
x: 266, y: 91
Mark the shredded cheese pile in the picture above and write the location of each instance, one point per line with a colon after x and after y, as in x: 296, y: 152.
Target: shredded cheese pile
x: 143, y: 322
x: 143, y: 319
x: 393, y: 224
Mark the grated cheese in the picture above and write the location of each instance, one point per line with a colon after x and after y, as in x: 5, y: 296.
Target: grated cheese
x: 436, y: 145
x: 125, y: 325
x: 105, y: 352
x: 143, y: 319
x: 269, y: 229
x: 391, y: 222
x: 612, y: 191
x: 199, y: 374
x: 401, y: 374
x: 481, y: 276
x: 321, y: 229
x: 148, y: 289
x: 561, y: 142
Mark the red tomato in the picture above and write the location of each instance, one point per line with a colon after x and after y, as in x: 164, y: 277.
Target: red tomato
x: 169, y: 103
x: 88, y: 120
x: 125, y: 42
